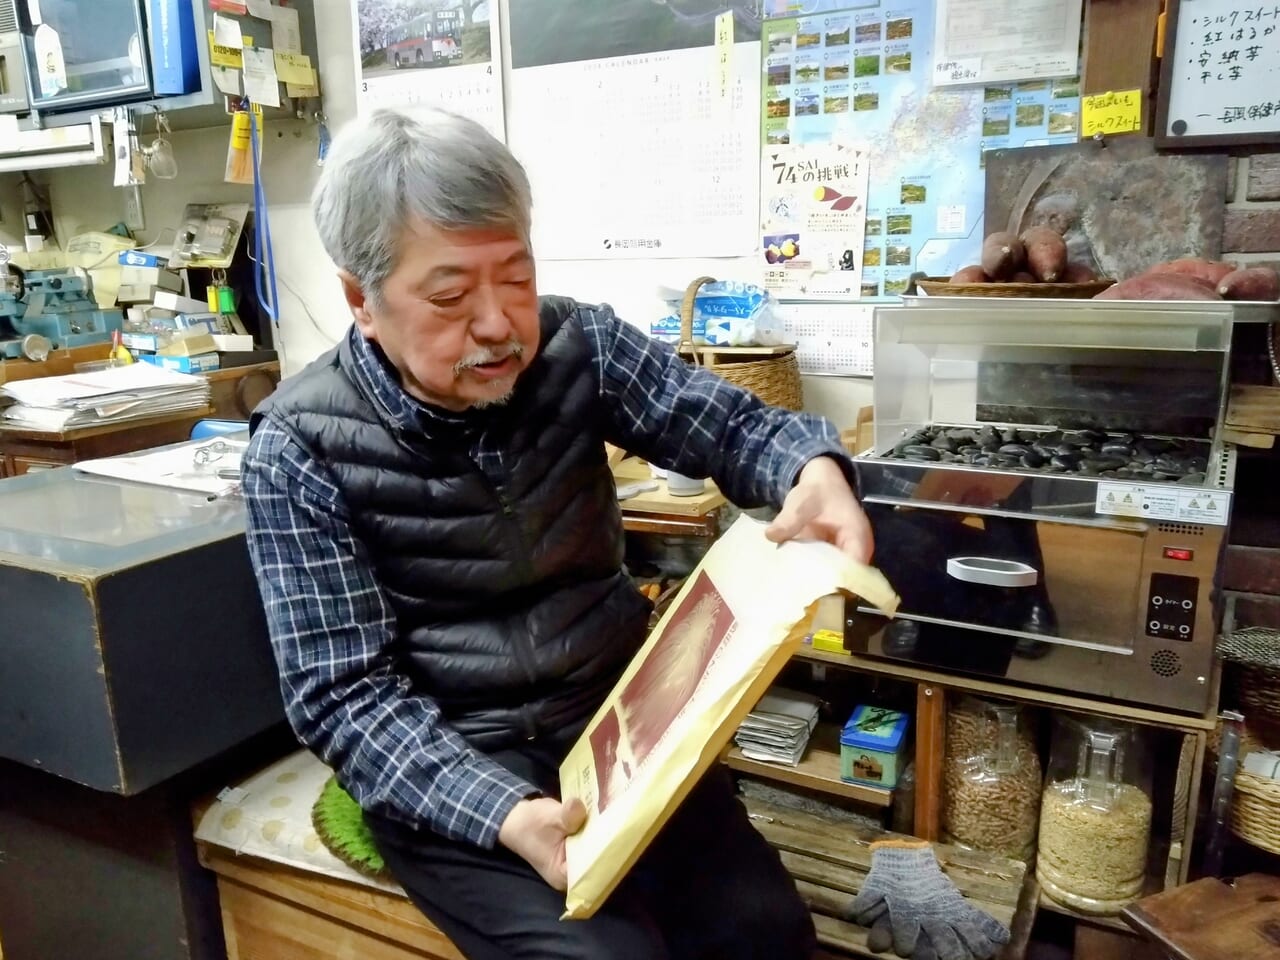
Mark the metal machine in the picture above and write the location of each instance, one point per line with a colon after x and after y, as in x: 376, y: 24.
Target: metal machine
x: 45, y: 310
x: 1050, y: 491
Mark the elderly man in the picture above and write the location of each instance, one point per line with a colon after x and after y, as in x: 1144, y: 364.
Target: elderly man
x: 439, y: 547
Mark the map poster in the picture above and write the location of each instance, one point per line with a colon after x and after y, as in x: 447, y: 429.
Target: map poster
x: 863, y: 77
x: 441, y: 53
x: 813, y: 212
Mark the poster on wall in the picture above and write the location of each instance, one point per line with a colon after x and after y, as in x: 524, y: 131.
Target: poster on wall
x: 863, y: 77
x: 441, y: 53
x: 639, y: 139
x: 812, y: 216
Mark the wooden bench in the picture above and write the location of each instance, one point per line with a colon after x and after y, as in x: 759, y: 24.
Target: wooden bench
x: 275, y: 912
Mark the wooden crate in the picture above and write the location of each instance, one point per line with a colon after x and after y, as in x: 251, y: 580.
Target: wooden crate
x: 274, y: 912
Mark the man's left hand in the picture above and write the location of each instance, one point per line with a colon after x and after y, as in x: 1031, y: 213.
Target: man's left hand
x: 821, y: 506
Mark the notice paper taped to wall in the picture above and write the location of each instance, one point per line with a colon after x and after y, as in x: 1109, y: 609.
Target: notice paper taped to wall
x: 736, y: 621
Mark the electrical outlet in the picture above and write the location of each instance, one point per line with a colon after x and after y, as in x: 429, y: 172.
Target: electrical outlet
x: 134, y: 218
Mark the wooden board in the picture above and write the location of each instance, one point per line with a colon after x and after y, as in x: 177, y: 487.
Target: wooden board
x: 818, y: 770
x: 1046, y: 698
x: 660, y: 501
x: 829, y: 861
x: 1254, y: 409
x: 1209, y: 920
x: 1251, y: 569
x: 270, y: 910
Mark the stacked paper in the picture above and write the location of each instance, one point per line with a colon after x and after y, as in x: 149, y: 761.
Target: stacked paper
x: 129, y: 392
x: 777, y: 730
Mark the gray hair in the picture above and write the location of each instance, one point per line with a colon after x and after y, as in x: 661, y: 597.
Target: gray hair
x: 392, y: 167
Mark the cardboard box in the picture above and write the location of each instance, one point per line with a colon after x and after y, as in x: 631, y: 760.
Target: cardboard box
x: 871, y: 746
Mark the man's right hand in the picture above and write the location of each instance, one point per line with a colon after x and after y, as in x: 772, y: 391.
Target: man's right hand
x: 536, y: 830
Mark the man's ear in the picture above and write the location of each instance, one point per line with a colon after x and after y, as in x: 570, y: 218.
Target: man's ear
x: 354, y: 294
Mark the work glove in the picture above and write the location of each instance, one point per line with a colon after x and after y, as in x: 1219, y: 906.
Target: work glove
x: 911, y: 905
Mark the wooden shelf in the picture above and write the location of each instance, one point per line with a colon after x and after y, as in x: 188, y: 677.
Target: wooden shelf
x: 1107, y: 923
x: 819, y: 770
x: 1008, y: 691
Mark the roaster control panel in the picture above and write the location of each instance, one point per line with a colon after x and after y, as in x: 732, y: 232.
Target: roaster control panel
x: 1171, y: 606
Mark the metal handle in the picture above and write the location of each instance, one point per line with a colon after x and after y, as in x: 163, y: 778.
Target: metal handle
x: 992, y: 571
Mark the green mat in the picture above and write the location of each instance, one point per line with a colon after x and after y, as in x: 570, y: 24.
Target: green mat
x: 339, y: 823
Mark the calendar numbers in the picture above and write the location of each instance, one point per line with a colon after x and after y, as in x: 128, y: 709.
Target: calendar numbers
x: 832, y: 339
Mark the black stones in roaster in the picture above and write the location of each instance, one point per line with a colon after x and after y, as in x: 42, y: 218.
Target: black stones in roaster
x: 1014, y: 449
x: 1116, y: 448
x: 1192, y: 479
x: 921, y: 451
x: 1065, y: 461
x: 1032, y: 460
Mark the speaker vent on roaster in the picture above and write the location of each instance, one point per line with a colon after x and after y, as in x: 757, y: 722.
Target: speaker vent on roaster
x: 1165, y: 663
x: 1185, y: 529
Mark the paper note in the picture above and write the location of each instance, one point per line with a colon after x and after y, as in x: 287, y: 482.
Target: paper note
x: 227, y: 43
x: 286, y: 36
x: 304, y: 90
x: 293, y: 67
x: 8, y: 131
x: 260, y: 82
x: 1002, y: 41
x: 1107, y: 113
x: 724, y: 50
x: 259, y: 8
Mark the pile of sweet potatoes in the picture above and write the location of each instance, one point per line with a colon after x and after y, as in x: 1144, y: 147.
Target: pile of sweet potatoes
x: 1039, y: 255
x: 1189, y: 278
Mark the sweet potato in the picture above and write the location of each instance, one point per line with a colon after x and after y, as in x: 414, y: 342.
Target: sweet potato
x: 1046, y: 253
x: 970, y: 274
x: 1160, y: 286
x: 1251, y: 283
x: 1002, y: 255
x: 1210, y: 271
x: 1077, y: 273
x: 1023, y: 277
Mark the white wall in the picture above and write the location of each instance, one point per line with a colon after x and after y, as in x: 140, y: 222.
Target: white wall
x: 313, y: 314
x: 11, y: 210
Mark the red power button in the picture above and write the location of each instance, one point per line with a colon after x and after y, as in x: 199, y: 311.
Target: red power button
x: 1178, y: 553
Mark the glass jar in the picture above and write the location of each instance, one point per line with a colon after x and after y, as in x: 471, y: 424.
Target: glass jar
x: 991, y: 778
x: 904, y: 802
x: 1095, y: 818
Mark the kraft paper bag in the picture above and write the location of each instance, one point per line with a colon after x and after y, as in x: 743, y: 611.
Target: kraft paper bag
x: 734, y: 624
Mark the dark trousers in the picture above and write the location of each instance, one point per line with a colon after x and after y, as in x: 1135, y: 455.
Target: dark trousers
x: 707, y: 887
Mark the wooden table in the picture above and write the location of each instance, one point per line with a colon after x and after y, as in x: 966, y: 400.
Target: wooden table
x: 234, y: 392
x: 1209, y: 920
x: 657, y: 511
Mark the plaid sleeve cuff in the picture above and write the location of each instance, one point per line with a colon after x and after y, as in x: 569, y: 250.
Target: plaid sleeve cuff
x: 799, y: 454
x: 476, y: 800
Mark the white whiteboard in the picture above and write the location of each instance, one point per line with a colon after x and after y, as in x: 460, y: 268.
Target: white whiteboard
x: 1223, y: 75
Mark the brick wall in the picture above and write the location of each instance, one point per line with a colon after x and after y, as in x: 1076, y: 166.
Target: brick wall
x: 1251, y: 232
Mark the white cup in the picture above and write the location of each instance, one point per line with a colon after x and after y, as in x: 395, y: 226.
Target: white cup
x: 678, y: 485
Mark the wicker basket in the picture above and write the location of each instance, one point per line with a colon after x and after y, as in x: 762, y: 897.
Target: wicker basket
x: 1258, y: 692
x: 775, y: 379
x: 1255, y: 811
x: 942, y: 287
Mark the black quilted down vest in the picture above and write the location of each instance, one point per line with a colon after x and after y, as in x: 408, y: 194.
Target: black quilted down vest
x: 514, y: 612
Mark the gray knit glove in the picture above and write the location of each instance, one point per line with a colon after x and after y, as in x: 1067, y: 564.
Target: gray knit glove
x: 908, y: 902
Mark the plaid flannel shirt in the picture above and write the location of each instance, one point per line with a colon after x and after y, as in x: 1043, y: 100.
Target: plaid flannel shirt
x: 333, y: 631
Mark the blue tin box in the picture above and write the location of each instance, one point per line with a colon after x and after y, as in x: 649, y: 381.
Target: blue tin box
x: 871, y: 746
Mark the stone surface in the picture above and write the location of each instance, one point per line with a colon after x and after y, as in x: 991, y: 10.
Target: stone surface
x: 1233, y: 170
x: 1264, y: 177
x: 1248, y: 230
